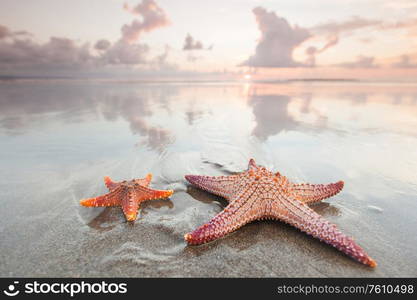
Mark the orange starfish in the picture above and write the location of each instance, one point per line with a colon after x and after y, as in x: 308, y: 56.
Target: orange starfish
x: 128, y: 195
x: 258, y: 194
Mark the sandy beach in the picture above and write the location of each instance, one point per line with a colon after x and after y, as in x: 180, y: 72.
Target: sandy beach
x: 60, y: 138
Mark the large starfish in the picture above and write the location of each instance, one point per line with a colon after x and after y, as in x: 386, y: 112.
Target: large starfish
x: 128, y: 195
x: 258, y: 194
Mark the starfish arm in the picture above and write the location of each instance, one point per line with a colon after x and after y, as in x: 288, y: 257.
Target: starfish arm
x: 109, y: 199
x: 111, y: 185
x: 302, y: 217
x: 144, y: 181
x: 143, y: 193
x: 252, y: 165
x: 130, y: 205
x: 133, y: 197
x: 222, y: 186
x: 238, y: 213
x: 311, y: 193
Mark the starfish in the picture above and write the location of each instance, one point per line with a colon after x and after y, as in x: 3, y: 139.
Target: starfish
x: 128, y: 195
x: 258, y: 194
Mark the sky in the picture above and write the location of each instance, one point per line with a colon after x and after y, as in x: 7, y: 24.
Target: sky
x: 259, y: 39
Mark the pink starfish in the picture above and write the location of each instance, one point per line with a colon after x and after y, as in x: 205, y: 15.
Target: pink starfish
x: 258, y: 194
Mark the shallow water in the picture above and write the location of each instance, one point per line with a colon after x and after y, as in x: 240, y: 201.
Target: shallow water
x: 59, y: 138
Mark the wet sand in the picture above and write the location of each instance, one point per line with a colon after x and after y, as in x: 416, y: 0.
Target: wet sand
x: 58, y: 140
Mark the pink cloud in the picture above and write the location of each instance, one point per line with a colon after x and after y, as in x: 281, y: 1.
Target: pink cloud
x: 191, y: 44
x: 312, y: 51
x: 152, y: 17
x: 4, y: 32
x: 122, y: 53
x: 405, y: 62
x: 160, y: 62
x: 102, y: 45
x: 355, y: 23
x: 407, y: 24
x: 57, y: 51
x: 279, y: 39
x: 127, y: 50
x: 366, y: 62
x: 17, y: 48
x: 277, y: 43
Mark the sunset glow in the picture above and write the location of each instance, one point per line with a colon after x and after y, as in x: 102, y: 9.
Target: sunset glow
x: 158, y: 38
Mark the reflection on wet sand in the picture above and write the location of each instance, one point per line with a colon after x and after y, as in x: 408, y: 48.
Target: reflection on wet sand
x: 28, y: 106
x: 111, y: 216
x: 61, y: 138
x: 325, y: 209
x: 271, y: 115
x: 157, y: 204
x: 136, y: 109
x: 106, y: 220
x: 192, y: 116
x: 204, y: 196
x: 23, y: 108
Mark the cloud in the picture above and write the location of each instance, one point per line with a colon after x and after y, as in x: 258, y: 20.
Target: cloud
x: 312, y: 51
x: 332, y: 41
x: 279, y: 40
x: 152, y: 17
x: 56, y: 52
x: 18, y: 48
x: 410, y: 25
x: 355, y: 23
x: 191, y: 44
x: 63, y: 50
x: 161, y: 59
x: 127, y: 51
x: 366, y: 62
x: 404, y: 63
x: 5, y: 32
x: 345, y: 28
x: 102, y: 45
x: 358, y: 23
x: 160, y: 62
x: 193, y: 58
x: 333, y: 30
x: 122, y: 53
x: 277, y: 43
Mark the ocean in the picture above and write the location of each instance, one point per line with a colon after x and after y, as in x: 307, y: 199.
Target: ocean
x: 59, y: 138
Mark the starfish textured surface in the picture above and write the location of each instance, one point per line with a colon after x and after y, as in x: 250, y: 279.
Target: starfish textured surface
x: 128, y: 195
x: 258, y: 194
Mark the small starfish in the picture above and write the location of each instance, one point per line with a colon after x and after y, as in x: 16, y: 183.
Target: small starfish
x: 128, y: 195
x: 258, y: 194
